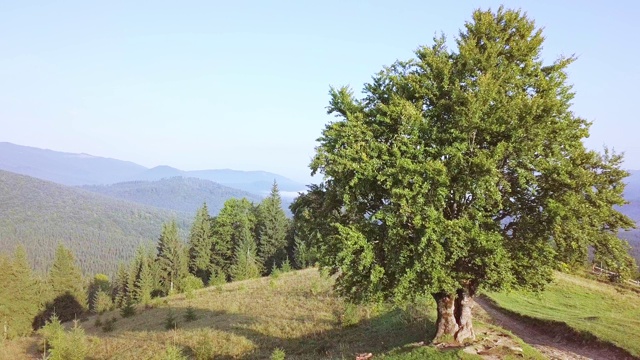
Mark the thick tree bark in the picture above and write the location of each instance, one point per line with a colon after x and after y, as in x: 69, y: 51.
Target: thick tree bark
x: 446, y: 323
x: 463, y: 306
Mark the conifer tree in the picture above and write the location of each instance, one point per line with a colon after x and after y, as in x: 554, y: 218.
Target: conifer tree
x: 19, y: 295
x: 120, y: 294
x: 234, y: 223
x: 200, y: 241
x: 171, y: 259
x: 272, y: 230
x: 144, y: 285
x: 65, y: 277
x: 247, y: 263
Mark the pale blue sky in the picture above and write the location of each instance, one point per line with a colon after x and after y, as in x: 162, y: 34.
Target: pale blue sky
x: 243, y: 84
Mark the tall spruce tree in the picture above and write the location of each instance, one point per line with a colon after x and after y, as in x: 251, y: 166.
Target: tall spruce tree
x: 19, y: 295
x: 65, y: 277
x: 200, y: 242
x: 119, y: 291
x: 462, y: 170
x: 247, y: 263
x: 235, y: 223
x: 145, y: 282
x: 171, y: 259
x: 272, y: 230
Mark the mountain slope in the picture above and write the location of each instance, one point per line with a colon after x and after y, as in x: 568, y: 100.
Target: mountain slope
x: 65, y: 168
x: 82, y: 169
x: 257, y: 182
x: 176, y: 193
x: 100, y: 230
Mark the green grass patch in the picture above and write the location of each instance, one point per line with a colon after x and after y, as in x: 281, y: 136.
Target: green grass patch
x: 611, y: 314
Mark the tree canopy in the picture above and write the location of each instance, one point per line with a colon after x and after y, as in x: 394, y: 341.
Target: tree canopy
x: 464, y: 169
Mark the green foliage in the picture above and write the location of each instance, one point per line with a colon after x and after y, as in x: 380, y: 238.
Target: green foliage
x: 65, y: 277
x: 172, y: 353
x: 190, y: 314
x: 52, y: 331
x: 234, y: 224
x: 286, y: 265
x: 61, y: 345
x: 277, y: 354
x: 272, y: 229
x: 461, y: 169
x: 128, y: 310
x: 192, y: 283
x: 99, y: 285
x: 171, y: 259
x: 247, y: 264
x: 204, y: 348
x: 19, y: 295
x: 102, y: 302
x: 200, y: 242
x: 217, y: 277
x: 170, y: 321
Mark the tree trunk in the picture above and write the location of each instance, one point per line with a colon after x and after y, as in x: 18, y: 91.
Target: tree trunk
x: 463, y: 306
x: 446, y: 323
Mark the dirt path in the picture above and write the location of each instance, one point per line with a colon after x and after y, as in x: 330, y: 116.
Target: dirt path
x: 547, y: 341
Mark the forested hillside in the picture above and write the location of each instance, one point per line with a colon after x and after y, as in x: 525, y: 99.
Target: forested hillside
x: 176, y: 193
x: 100, y: 230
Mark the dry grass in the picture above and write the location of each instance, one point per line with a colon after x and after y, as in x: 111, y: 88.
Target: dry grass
x: 296, y: 312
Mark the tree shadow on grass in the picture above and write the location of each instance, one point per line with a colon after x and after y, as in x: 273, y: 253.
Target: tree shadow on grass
x: 66, y: 307
x: 331, y: 339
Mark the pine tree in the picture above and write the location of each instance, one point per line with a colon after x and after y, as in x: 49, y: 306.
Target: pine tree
x: 272, y: 230
x: 247, y: 264
x: 200, y: 241
x: 171, y: 259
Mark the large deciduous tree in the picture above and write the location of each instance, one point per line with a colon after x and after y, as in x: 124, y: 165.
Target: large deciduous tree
x: 464, y: 169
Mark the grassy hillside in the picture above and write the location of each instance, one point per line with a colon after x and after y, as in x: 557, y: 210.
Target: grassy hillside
x: 176, y: 193
x: 100, y: 230
x: 296, y: 312
x: 610, y: 313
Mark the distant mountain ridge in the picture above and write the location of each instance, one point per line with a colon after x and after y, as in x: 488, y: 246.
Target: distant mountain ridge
x: 65, y: 168
x: 100, y: 230
x: 175, y: 193
x: 83, y: 169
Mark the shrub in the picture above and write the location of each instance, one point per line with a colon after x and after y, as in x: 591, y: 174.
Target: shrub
x: 190, y: 315
x: 204, y: 349
x: 277, y: 354
x: 170, y: 322
x: 128, y: 310
x: 172, y: 353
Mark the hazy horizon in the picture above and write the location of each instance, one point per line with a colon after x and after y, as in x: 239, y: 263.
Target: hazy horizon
x: 244, y: 85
